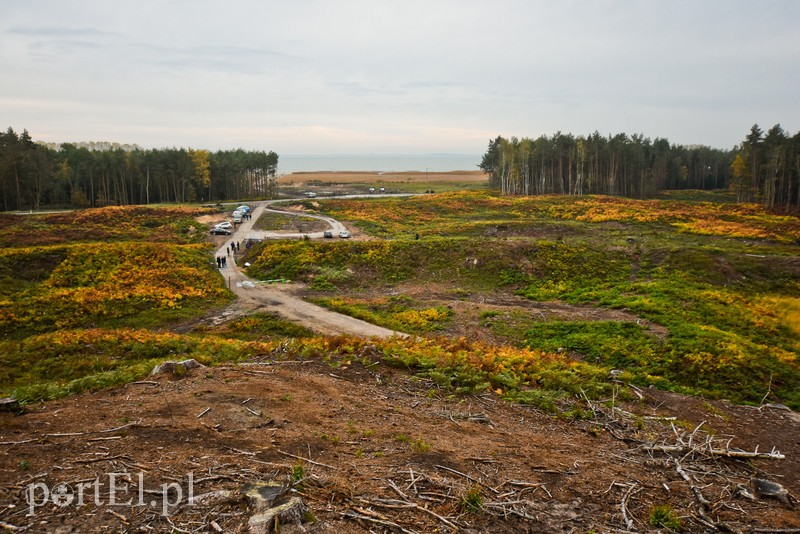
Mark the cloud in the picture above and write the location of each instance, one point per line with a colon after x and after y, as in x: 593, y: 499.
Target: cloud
x: 353, y: 75
x: 56, y: 31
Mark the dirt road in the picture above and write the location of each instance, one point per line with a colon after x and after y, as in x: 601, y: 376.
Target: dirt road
x: 254, y: 295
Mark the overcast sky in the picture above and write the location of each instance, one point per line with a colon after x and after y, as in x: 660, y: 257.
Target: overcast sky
x: 431, y: 76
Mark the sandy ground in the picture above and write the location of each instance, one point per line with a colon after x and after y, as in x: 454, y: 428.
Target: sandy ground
x: 281, y: 298
x: 345, y: 177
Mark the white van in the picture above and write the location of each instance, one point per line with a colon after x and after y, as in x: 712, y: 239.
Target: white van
x: 237, y: 216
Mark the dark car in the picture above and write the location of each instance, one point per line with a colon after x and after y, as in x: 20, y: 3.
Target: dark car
x: 327, y: 234
x: 220, y: 231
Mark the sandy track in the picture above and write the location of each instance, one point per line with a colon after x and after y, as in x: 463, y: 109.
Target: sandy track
x: 253, y: 295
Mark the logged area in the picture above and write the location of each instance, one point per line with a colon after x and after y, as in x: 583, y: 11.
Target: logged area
x: 573, y: 364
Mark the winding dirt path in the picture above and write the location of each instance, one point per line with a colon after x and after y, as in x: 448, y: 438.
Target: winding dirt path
x: 253, y: 295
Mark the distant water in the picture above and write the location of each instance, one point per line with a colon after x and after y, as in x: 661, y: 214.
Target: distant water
x: 378, y: 162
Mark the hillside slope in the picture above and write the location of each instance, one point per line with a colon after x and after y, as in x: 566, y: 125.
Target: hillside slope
x: 378, y: 444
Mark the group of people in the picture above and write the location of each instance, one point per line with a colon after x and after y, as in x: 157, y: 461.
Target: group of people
x: 222, y: 261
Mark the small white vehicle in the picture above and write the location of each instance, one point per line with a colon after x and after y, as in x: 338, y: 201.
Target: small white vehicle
x: 344, y: 234
x: 224, y: 225
x: 311, y: 194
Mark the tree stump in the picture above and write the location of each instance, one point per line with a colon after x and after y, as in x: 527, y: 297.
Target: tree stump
x: 9, y: 404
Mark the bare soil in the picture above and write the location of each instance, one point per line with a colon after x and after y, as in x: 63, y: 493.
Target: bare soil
x: 353, y: 431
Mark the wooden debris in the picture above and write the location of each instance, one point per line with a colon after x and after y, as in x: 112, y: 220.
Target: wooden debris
x: 765, y: 488
x: 634, y: 488
x: 704, y: 505
x: 215, y: 498
x: 352, y: 514
x: 9, y: 404
x: 729, y: 453
x: 471, y: 479
x: 176, y: 368
x: 292, y: 511
x: 119, y: 516
x: 305, y: 459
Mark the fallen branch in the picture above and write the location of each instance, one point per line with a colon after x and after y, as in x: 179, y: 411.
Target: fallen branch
x: 72, y: 434
x: 18, y: 442
x: 239, y: 451
x: 109, y: 438
x: 306, y: 460
x: 704, y: 504
x: 471, y: 479
x: 408, y: 505
x: 729, y: 453
x: 500, y: 508
x: 362, y: 516
x: 624, y: 507
x: 119, y: 516
x: 645, y: 417
x: 102, y: 459
x: 397, y: 490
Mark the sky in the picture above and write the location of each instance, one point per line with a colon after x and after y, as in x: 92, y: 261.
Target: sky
x: 395, y: 77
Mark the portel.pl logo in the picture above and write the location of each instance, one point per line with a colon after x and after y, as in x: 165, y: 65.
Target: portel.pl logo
x: 114, y: 490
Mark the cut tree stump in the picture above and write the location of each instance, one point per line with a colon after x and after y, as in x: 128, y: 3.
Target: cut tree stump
x: 176, y: 368
x: 9, y: 404
x: 292, y: 512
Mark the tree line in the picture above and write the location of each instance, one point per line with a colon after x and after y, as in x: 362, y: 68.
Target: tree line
x: 34, y: 175
x: 763, y: 168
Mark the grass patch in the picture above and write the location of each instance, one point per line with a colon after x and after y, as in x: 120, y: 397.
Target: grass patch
x: 66, y: 362
x: 720, y: 279
x: 278, y: 222
x: 664, y: 516
x: 397, y: 313
x: 260, y: 326
x: 118, y: 284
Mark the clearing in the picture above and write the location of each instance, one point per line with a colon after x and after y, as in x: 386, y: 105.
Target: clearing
x: 373, y: 444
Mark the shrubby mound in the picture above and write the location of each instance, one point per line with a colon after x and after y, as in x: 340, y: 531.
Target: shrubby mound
x: 718, y: 282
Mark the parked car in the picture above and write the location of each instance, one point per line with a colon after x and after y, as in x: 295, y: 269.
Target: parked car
x: 344, y: 234
x: 220, y: 231
x: 311, y: 194
x: 243, y: 208
x: 327, y: 234
x: 227, y: 225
